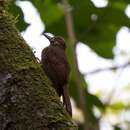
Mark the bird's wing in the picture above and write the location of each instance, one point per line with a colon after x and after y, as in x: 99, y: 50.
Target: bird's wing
x: 55, y: 60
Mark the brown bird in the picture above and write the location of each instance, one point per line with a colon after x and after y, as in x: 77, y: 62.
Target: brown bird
x: 55, y: 64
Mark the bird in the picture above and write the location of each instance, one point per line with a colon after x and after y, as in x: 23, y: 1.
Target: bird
x: 56, y: 67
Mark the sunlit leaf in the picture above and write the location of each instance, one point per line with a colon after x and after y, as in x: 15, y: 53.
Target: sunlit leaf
x: 117, y: 106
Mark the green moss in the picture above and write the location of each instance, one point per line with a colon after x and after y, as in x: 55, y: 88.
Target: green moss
x: 13, y: 46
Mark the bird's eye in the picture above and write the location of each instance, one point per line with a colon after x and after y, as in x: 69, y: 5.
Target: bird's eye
x: 56, y: 43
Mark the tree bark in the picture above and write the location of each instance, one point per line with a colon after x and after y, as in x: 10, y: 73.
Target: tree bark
x: 28, y: 100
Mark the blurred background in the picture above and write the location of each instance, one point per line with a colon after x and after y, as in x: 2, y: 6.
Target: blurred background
x: 97, y: 36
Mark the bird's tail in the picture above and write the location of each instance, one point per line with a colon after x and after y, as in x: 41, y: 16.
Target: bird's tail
x: 66, y: 100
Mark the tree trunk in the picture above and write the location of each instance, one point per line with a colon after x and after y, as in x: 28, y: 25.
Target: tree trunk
x: 27, y: 99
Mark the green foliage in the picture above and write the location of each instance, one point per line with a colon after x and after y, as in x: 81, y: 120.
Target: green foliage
x: 19, y: 17
x: 118, y: 106
x: 96, y: 27
x: 91, y: 102
x: 49, y: 11
x: 94, y: 101
x: 117, y: 128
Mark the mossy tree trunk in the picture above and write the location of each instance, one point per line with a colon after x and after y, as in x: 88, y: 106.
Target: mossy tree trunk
x: 27, y: 99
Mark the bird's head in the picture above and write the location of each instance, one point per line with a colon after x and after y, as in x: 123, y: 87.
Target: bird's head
x: 56, y: 41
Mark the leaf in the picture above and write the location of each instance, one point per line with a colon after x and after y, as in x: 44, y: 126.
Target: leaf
x: 118, y: 106
x: 50, y: 11
x: 19, y: 17
x: 117, y: 128
x: 95, y: 101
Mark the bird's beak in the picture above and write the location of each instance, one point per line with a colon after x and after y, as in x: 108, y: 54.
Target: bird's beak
x: 48, y: 37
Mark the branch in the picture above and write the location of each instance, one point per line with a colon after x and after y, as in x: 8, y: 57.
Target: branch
x: 73, y: 39
x: 108, y: 68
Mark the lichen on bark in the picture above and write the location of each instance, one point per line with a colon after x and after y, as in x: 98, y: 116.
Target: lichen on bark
x: 28, y: 100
